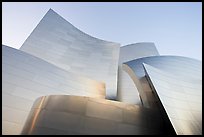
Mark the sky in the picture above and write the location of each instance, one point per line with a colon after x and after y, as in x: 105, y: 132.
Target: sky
x: 175, y: 28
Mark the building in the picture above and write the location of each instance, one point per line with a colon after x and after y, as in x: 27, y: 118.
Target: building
x: 63, y: 81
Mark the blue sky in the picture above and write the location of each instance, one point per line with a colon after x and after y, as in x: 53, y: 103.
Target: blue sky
x: 175, y: 28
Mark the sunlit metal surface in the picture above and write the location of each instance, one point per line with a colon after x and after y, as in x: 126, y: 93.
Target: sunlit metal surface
x: 60, y: 43
x: 36, y: 115
x: 177, y: 82
x: 127, y: 90
x: 57, y: 59
x: 181, y: 98
x: 25, y: 78
x: 89, y: 116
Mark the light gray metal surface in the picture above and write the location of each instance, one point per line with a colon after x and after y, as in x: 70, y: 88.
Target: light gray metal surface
x: 57, y: 58
x: 137, y: 50
x: 127, y: 90
x: 181, y: 98
x: 177, y: 82
x: 25, y: 77
x: 60, y: 43
x: 178, y: 65
x: 51, y: 115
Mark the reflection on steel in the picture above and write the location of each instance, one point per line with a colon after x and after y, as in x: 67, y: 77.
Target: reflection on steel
x: 60, y: 43
x: 177, y: 83
x: 76, y: 74
x: 137, y: 50
x: 25, y: 78
x: 36, y: 115
x: 127, y: 90
x: 77, y: 115
x: 181, y: 98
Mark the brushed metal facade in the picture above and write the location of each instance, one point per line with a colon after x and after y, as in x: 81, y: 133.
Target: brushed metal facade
x: 177, y: 81
x: 25, y: 78
x: 75, y: 115
x: 127, y: 90
x: 60, y: 43
x: 181, y: 98
x: 76, y: 74
x: 137, y: 50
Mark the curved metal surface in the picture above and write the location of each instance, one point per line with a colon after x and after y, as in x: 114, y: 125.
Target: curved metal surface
x: 127, y: 90
x: 137, y: 50
x: 25, y: 77
x: 181, y: 98
x: 177, y: 82
x: 60, y: 43
x: 178, y: 65
x: 63, y: 114
x: 57, y: 58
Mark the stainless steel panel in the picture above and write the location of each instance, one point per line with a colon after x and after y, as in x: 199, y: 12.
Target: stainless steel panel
x: 101, y: 117
x: 25, y: 78
x: 57, y: 41
x: 57, y: 59
x: 127, y: 90
x: 178, y: 103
